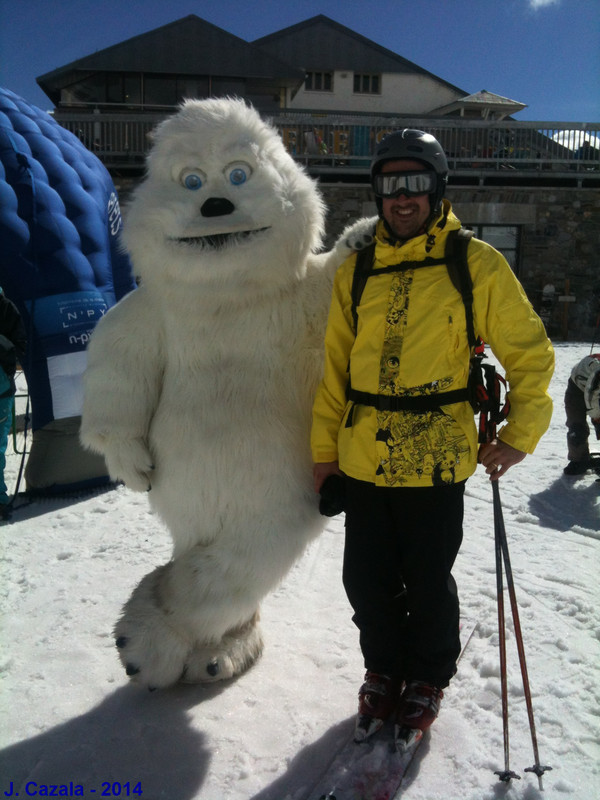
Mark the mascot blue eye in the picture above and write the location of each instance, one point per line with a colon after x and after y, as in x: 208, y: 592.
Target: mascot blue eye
x: 238, y: 172
x: 192, y: 182
x: 238, y: 176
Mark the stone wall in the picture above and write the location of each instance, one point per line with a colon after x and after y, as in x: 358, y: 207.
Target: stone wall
x: 559, y: 242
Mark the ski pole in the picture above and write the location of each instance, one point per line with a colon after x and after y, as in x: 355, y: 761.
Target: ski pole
x: 502, y: 544
x: 506, y: 774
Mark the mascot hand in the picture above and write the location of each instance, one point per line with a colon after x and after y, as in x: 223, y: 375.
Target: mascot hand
x: 358, y: 235
x: 129, y: 460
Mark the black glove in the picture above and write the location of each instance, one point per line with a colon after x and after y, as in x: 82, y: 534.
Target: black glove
x: 333, y: 496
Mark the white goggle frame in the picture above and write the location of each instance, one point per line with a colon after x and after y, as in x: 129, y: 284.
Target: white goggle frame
x: 392, y: 184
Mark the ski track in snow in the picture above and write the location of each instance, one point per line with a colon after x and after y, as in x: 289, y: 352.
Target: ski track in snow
x: 70, y: 715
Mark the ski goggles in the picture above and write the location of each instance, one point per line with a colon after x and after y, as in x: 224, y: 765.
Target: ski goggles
x: 392, y: 184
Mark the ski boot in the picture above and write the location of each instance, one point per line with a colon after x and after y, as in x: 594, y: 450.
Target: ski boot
x: 377, y: 698
x: 418, y: 707
x: 577, y: 467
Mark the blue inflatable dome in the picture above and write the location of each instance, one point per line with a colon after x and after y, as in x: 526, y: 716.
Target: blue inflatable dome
x: 61, y: 264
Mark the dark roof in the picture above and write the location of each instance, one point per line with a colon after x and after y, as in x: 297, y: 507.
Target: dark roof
x: 320, y: 43
x: 189, y: 46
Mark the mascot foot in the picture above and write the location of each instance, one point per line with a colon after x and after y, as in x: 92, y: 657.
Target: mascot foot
x: 157, y: 650
x: 236, y: 652
x: 152, y: 651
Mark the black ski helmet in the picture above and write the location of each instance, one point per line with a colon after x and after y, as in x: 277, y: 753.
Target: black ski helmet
x: 415, y: 145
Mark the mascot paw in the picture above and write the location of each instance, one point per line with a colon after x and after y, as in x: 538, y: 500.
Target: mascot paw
x: 235, y: 653
x: 129, y: 460
x: 153, y: 653
x: 358, y: 235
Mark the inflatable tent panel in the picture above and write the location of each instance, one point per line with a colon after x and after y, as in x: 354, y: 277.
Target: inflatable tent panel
x: 62, y: 265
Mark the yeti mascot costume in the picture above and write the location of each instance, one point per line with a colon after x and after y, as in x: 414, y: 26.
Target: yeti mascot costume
x: 200, y: 383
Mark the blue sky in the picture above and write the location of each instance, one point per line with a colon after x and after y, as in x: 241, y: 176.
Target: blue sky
x: 545, y: 53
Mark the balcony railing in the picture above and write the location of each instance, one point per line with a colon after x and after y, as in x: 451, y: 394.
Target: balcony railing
x: 342, y: 144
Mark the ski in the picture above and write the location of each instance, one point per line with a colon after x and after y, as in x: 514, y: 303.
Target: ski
x: 371, y: 770
x: 374, y: 769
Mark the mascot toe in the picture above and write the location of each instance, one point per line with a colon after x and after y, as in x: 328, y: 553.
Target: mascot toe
x: 200, y: 383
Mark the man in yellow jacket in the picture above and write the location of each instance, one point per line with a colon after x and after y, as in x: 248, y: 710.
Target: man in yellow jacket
x: 406, y: 460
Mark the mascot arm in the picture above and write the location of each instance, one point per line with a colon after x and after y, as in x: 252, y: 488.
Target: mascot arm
x: 355, y: 236
x: 322, y: 268
x: 122, y: 385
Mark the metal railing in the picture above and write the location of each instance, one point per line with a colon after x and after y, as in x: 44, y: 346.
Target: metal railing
x: 330, y: 142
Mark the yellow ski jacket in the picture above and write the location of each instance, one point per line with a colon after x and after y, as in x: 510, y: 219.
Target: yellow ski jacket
x: 411, y: 340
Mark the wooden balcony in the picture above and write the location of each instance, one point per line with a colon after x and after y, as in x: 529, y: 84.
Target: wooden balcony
x: 338, y: 147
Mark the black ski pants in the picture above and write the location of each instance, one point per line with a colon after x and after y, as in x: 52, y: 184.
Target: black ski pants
x: 400, y: 547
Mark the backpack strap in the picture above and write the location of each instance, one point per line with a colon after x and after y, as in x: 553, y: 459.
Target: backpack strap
x: 418, y: 404
x: 362, y: 269
x: 457, y: 265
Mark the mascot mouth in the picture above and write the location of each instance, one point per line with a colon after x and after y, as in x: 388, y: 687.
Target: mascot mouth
x: 216, y: 241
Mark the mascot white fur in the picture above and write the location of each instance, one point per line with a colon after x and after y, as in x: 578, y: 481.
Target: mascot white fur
x: 200, y: 384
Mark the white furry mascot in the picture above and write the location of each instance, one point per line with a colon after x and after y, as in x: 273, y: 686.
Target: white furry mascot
x: 200, y: 384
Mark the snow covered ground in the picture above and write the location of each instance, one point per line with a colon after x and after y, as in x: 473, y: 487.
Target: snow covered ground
x: 69, y: 715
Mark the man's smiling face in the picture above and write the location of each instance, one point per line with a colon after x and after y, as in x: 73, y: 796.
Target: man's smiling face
x: 405, y: 215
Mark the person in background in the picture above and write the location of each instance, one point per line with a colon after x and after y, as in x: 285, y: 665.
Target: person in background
x: 582, y: 400
x: 13, y: 341
x: 386, y: 418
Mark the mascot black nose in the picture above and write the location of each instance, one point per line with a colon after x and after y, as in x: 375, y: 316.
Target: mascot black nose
x: 217, y: 207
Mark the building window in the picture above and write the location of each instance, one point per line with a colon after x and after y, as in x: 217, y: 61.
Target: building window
x: 318, y: 82
x: 367, y: 84
x: 114, y: 88
x: 504, y: 238
x: 90, y: 90
x: 132, y: 89
x: 190, y: 87
x: 160, y: 90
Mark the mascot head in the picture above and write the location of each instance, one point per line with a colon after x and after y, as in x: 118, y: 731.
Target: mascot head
x: 222, y: 202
